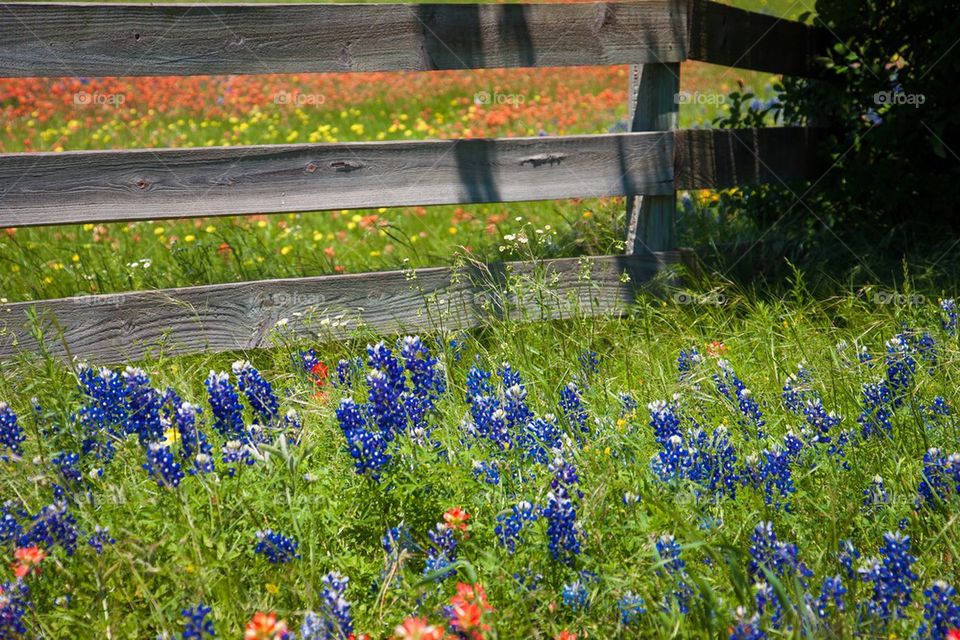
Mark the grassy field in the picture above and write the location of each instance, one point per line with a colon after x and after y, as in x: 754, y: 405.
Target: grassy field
x: 738, y: 443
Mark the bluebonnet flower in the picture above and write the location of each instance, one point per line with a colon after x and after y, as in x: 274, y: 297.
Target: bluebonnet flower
x: 665, y: 420
x: 66, y: 463
x: 509, y: 376
x: 197, y: 623
x: 334, y: 621
x: 797, y: 390
x: 848, y: 555
x: 746, y: 628
x: 949, y: 319
x: 438, y: 565
x: 631, y: 607
x: 940, y: 479
x: 386, y: 383
x: 52, y: 525
x: 714, y: 462
x: 562, y: 529
x: 368, y: 448
x: 793, y: 445
x: 102, y: 409
x: 901, y: 367
x: 821, y: 422
x: 771, y: 472
x: 831, y: 595
x: 768, y: 603
x: 258, y: 391
x: 572, y: 409
x: 575, y: 595
x: 589, y: 363
x: 674, y: 567
x: 488, y: 472
x: 100, y: 537
x: 891, y: 576
x: 162, y: 466
x: 673, y: 462
x: 687, y: 361
x: 752, y: 416
x: 426, y: 377
x: 276, y: 547
x: 628, y: 404
x: 234, y: 452
x: 14, y: 605
x: 668, y: 550
x: 398, y: 539
x: 941, y: 613
x: 143, y: 404
x: 510, y: 525
x: 934, y: 412
x: 192, y: 439
x: 202, y: 464
x: 309, y: 359
x: 490, y: 421
x: 226, y: 407
x: 478, y: 383
x: 782, y: 559
x: 877, y: 401
x: 515, y: 408
x: 541, y: 436
x: 630, y: 498
x: 11, y: 433
x: 10, y: 528
x: 344, y: 372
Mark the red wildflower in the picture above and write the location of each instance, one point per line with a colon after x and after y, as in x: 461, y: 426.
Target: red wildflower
x: 418, y: 629
x: 27, y: 560
x: 456, y: 518
x: 565, y: 635
x: 953, y: 634
x: 265, y: 626
x: 467, y: 608
x: 320, y: 373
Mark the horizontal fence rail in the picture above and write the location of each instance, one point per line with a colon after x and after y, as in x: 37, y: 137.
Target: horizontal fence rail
x: 237, y: 316
x: 61, y: 39
x: 110, y: 186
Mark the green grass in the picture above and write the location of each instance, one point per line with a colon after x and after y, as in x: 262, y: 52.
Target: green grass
x: 177, y: 547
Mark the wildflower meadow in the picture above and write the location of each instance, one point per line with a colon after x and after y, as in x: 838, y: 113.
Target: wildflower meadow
x: 717, y: 457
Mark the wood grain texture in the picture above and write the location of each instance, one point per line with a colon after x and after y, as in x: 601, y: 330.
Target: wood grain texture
x: 100, y: 186
x: 732, y: 37
x: 654, y: 93
x: 716, y: 159
x: 51, y: 39
x: 226, y: 317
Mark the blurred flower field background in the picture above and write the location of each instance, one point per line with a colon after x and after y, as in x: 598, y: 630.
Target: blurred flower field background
x: 116, y: 113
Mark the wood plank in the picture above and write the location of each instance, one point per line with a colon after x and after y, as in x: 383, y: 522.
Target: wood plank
x: 723, y: 35
x: 236, y: 316
x: 652, y: 219
x: 65, y: 39
x: 720, y: 158
x: 100, y: 186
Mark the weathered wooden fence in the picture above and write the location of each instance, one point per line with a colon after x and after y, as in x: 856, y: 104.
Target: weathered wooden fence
x: 648, y: 164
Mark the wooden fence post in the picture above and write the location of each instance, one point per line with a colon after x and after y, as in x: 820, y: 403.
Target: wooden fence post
x: 653, y: 91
